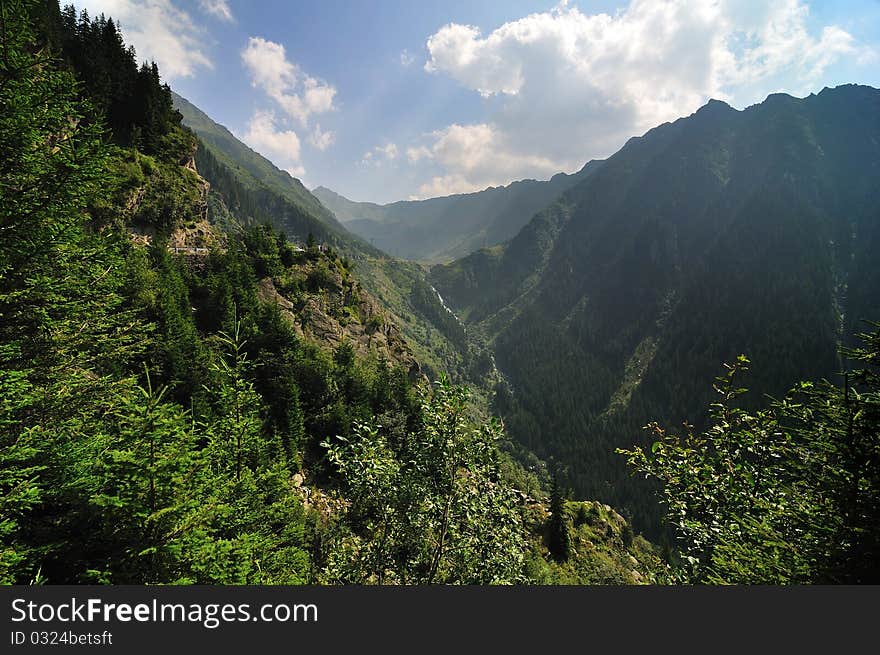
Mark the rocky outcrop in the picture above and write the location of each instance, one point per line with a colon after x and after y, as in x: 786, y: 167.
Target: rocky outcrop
x: 336, y: 309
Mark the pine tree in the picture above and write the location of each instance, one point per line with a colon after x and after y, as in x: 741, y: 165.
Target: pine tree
x: 559, y: 538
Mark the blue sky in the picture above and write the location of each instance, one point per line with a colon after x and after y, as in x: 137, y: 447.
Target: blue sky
x: 387, y: 100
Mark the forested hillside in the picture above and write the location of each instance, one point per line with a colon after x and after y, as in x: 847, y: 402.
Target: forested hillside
x: 722, y: 233
x: 189, y: 396
x: 443, y: 229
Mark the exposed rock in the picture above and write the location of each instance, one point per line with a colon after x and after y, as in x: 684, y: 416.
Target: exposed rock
x: 340, y: 311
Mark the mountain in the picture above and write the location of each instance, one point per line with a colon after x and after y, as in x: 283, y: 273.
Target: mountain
x: 253, y: 171
x: 725, y: 232
x: 247, y: 186
x: 191, y: 398
x: 443, y: 229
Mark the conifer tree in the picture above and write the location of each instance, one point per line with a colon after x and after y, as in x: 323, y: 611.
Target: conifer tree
x: 559, y: 538
x: 64, y: 333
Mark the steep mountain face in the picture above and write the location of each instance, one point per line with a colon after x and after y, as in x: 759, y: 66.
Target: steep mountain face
x: 725, y: 232
x: 330, y: 308
x: 443, y: 229
x: 255, y: 173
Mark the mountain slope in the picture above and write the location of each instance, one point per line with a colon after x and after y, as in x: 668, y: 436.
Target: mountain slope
x: 722, y: 233
x: 252, y: 169
x: 442, y: 229
x: 248, y: 187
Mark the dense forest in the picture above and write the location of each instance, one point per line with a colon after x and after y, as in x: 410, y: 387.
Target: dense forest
x: 190, y: 395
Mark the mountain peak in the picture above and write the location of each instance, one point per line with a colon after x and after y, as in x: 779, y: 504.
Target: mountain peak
x: 713, y: 107
x: 780, y: 98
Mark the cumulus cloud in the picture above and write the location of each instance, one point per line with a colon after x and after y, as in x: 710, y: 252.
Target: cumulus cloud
x: 264, y: 135
x: 571, y: 86
x: 159, y: 31
x: 418, y: 153
x: 298, y: 94
x: 476, y: 156
x: 217, y: 8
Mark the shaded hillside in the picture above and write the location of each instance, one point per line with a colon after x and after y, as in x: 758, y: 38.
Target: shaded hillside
x: 442, y: 229
x: 725, y: 232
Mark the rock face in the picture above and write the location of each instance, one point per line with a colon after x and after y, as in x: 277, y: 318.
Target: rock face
x: 196, y: 238
x: 328, y: 306
x: 190, y: 232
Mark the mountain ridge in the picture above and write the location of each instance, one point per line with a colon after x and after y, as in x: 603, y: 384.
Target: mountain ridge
x: 253, y: 169
x: 447, y: 227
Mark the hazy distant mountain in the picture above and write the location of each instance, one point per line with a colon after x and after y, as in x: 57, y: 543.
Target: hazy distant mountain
x: 725, y: 232
x: 442, y: 229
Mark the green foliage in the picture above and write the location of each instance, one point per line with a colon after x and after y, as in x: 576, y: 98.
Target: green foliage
x: 599, y: 550
x: 426, y: 506
x: 64, y: 332
x: 559, y: 539
x: 136, y: 106
x: 105, y: 480
x: 168, y: 197
x: 425, y: 300
x: 787, y: 494
x: 130, y: 486
x: 320, y: 277
x: 728, y: 484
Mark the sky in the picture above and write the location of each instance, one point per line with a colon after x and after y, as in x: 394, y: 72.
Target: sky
x: 387, y: 100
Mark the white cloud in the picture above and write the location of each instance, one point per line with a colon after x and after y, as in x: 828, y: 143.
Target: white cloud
x: 159, y: 31
x: 417, y: 154
x: 406, y: 59
x: 298, y: 94
x: 389, y: 150
x: 571, y: 86
x: 281, y: 146
x: 380, y: 154
x: 476, y: 156
x: 321, y: 139
x: 218, y: 8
